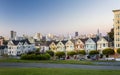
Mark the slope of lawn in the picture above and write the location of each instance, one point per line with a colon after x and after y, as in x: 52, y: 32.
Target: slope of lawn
x: 55, y: 71
x: 11, y: 60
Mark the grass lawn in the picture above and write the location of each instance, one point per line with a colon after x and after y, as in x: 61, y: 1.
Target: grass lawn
x: 46, y: 61
x: 55, y: 71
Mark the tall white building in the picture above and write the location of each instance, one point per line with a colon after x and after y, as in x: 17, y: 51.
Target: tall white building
x: 116, y: 28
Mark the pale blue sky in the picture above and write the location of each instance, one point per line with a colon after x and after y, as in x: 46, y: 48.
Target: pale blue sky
x: 56, y: 16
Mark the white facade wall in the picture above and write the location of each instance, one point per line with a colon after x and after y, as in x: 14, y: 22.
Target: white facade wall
x: 102, y: 44
x: 90, y: 45
x: 20, y: 49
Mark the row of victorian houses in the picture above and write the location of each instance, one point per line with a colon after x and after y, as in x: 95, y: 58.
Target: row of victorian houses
x: 18, y: 47
x: 87, y: 44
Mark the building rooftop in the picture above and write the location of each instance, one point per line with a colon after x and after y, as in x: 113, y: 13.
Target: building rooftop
x: 116, y: 10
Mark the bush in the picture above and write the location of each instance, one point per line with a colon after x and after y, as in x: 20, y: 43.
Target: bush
x: 60, y: 54
x: 45, y: 56
x: 93, y: 52
x: 108, y: 52
x: 50, y: 52
x: 118, y: 50
x: 71, y: 53
x: 81, y: 52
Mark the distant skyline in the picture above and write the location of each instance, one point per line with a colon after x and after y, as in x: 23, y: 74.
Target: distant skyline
x: 56, y: 16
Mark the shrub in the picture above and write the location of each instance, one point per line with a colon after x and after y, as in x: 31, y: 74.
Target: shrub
x: 81, y: 52
x: 71, y: 53
x: 45, y: 56
x: 108, y: 51
x: 93, y: 52
x: 60, y: 54
x: 50, y: 52
x: 118, y: 50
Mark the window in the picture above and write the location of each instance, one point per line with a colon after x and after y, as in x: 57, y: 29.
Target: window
x: 118, y: 22
x: 117, y: 45
x: 18, y: 52
x: 104, y: 45
x: 118, y: 27
x: 91, y: 47
x: 119, y: 16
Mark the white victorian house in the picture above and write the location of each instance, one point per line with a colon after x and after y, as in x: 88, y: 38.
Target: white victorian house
x: 90, y: 44
x: 18, y: 47
x: 103, y: 43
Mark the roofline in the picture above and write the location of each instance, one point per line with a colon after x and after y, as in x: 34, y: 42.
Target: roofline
x: 116, y: 10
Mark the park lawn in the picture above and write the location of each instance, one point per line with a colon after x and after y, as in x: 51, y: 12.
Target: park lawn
x: 55, y: 71
x: 13, y: 60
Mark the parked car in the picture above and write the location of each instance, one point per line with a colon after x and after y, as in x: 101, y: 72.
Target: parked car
x: 109, y: 58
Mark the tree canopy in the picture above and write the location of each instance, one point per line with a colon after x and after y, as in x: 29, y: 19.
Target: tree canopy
x: 108, y: 51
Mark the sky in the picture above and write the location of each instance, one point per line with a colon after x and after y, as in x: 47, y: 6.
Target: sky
x: 56, y: 16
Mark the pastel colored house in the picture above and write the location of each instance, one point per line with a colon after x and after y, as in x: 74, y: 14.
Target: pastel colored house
x: 69, y: 46
x: 53, y: 46
x: 61, y: 46
x: 18, y: 47
x: 91, y: 44
x: 103, y: 43
x: 80, y: 44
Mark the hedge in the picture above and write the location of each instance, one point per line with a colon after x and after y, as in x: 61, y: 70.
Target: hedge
x: 45, y: 56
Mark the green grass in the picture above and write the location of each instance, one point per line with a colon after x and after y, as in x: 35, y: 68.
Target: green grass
x: 55, y: 71
x: 46, y: 61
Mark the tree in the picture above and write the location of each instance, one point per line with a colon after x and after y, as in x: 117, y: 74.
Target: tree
x: 50, y: 52
x: 81, y: 52
x: 71, y: 53
x: 93, y: 52
x: 111, y: 34
x: 108, y: 51
x: 37, y: 50
x: 118, y: 50
x: 60, y: 54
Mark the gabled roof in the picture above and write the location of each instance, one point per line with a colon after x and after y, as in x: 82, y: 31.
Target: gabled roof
x: 16, y: 42
x: 95, y: 39
x: 3, y: 47
x: 56, y: 42
x: 84, y: 40
x: 64, y: 41
x: 107, y: 38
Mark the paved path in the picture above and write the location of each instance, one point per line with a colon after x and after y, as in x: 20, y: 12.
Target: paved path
x: 42, y: 65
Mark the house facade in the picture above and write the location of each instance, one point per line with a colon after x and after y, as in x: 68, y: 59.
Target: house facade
x: 3, y: 50
x: 69, y: 46
x: 103, y: 43
x: 80, y: 44
x: 53, y: 46
x: 90, y: 44
x: 60, y: 46
x: 18, y: 47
